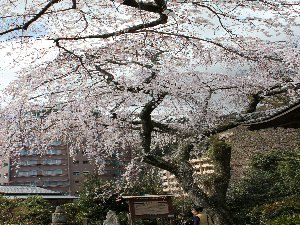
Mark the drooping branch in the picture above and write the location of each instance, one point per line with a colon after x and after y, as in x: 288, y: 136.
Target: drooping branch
x: 73, y: 54
x: 228, y: 49
x: 221, y: 128
x: 124, y: 63
x: 160, y: 127
x: 216, y: 14
x: 110, y: 79
x: 255, y: 99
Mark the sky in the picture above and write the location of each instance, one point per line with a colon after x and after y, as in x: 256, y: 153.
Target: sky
x: 16, y: 57
x: 13, y: 55
x: 7, y: 71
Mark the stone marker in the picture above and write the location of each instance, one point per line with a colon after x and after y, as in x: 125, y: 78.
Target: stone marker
x: 59, y: 217
x: 111, y: 218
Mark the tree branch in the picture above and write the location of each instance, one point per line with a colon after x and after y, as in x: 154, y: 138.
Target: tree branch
x: 216, y: 14
x: 146, y: 122
x: 257, y: 98
x: 132, y: 29
x: 236, y: 52
x: 124, y: 63
x: 183, y: 153
x: 32, y: 20
x: 146, y: 6
x: 110, y: 80
x: 159, y: 162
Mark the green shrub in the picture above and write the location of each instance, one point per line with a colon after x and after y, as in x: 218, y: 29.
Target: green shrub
x: 269, y: 189
x: 285, y: 220
x: 31, y: 211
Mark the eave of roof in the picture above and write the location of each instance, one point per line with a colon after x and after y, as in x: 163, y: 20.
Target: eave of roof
x: 7, y: 189
x: 287, y: 117
x: 43, y: 196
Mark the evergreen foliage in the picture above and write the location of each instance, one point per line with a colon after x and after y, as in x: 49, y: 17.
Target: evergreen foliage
x: 269, y: 191
x: 31, y: 211
x: 97, y: 197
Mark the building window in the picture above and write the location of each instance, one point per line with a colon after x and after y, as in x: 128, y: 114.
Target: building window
x: 29, y: 163
x: 76, y: 162
x: 53, y: 172
x: 23, y: 163
x: 26, y: 183
x: 76, y: 173
x: 27, y: 173
x: 86, y: 172
x: 54, y: 152
x: 24, y: 152
x: 54, y: 183
x: 85, y: 162
x: 76, y: 181
x: 33, y: 152
x: 32, y: 162
x: 52, y: 161
x: 56, y: 143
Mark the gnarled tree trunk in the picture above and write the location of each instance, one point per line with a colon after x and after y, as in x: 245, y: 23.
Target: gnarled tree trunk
x: 207, y: 191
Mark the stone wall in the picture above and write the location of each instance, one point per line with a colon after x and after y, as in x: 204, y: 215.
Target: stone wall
x: 247, y: 143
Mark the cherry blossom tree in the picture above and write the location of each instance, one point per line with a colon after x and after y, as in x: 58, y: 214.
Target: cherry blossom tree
x: 158, y: 76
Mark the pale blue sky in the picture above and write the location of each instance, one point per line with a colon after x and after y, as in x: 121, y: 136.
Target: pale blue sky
x: 14, y: 56
x: 18, y: 56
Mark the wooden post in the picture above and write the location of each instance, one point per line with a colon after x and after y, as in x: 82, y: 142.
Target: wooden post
x: 131, y: 212
x: 85, y: 221
x: 171, y: 211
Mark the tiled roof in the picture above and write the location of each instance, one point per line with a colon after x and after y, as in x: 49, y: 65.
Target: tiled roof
x: 26, y: 190
x: 258, y: 117
x: 49, y: 197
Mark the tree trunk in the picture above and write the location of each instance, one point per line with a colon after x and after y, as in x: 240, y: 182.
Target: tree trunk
x: 209, y: 194
x: 214, y: 207
x: 209, y: 191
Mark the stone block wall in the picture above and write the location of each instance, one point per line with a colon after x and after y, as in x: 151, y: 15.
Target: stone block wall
x: 246, y: 144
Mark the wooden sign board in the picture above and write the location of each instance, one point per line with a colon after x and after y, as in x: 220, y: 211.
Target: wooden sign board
x: 150, y: 206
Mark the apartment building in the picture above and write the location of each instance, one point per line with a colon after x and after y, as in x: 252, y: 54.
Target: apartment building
x: 170, y: 184
x: 56, y: 170
x: 81, y: 166
x: 49, y: 170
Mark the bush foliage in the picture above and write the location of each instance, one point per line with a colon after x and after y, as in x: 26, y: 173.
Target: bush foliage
x: 31, y: 211
x: 269, y: 191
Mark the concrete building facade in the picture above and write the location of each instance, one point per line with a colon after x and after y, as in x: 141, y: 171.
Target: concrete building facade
x: 56, y: 170
x: 50, y: 170
x: 201, y: 166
